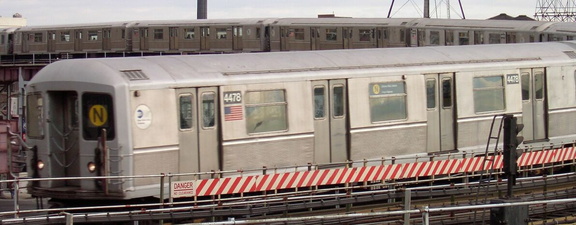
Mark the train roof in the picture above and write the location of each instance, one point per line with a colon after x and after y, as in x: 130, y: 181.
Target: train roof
x: 206, y: 70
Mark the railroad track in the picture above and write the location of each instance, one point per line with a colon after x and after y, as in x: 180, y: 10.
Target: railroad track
x: 339, y: 201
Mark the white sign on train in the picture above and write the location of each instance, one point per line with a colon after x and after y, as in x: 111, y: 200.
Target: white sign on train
x: 181, y: 189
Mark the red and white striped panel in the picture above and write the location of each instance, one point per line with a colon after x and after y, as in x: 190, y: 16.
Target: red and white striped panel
x: 564, y: 154
x: 371, y: 173
x: 228, y: 185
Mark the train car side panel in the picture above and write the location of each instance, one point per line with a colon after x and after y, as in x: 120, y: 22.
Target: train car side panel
x: 386, y: 110
x: 154, y: 133
x: 257, y: 119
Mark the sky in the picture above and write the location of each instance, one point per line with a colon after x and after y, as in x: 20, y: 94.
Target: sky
x: 51, y: 12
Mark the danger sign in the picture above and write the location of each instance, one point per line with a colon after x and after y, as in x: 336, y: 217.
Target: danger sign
x: 182, y: 189
x: 98, y: 115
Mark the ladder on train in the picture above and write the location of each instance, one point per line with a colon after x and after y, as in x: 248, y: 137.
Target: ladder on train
x: 492, y: 160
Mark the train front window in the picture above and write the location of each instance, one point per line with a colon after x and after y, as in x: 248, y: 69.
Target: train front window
x: 539, y: 85
x: 266, y: 111
x: 387, y: 101
x: 208, y: 110
x: 431, y: 93
x: 189, y: 33
x: 319, y: 102
x: 97, y: 114
x: 185, y: 112
x: 488, y: 94
x: 158, y: 34
x: 35, y: 115
x: 331, y: 34
x: 525, y: 79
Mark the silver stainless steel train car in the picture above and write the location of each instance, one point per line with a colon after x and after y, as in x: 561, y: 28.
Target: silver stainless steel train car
x: 264, y: 35
x: 179, y: 114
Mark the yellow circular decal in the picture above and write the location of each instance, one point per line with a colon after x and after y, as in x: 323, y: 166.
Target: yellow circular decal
x: 376, y: 89
x: 98, y: 115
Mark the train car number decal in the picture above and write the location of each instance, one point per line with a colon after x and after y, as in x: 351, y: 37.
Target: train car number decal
x: 232, y: 97
x: 143, y: 116
x: 512, y: 79
x: 98, y: 115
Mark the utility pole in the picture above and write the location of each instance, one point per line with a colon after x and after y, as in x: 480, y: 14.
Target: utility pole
x: 202, y: 9
x: 426, y: 13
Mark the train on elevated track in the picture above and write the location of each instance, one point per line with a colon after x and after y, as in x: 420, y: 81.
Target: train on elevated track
x: 183, y: 114
x: 265, y: 35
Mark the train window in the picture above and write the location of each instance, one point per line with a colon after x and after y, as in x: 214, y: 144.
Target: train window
x: 299, y: 34
x: 385, y: 33
x: 319, y: 102
x: 446, y: 93
x: 237, y: 31
x: 158, y: 34
x: 511, y: 38
x: 331, y: 34
x: 525, y: 86
x: 449, y: 37
x: 221, y: 33
x: 365, y: 35
x: 402, y: 35
x: 478, y: 37
x: 185, y: 112
x: 97, y: 114
x: 434, y: 38
x: 144, y: 32
x: 37, y: 37
x: 338, y: 101
x: 431, y: 93
x: 106, y: 33
x: 387, y: 101
x: 173, y: 31
x: 266, y: 111
x: 189, y: 33
x: 488, y: 94
x: 258, y: 30
x: 539, y: 85
x: 52, y: 36
x: 463, y: 38
x: 65, y: 36
x: 93, y: 35
x: 494, y: 38
x: 2, y: 39
x: 208, y: 110
x: 34, y: 116
x: 568, y: 38
x: 123, y: 33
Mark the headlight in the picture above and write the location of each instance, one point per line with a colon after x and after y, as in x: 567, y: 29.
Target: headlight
x: 40, y: 164
x: 91, y: 167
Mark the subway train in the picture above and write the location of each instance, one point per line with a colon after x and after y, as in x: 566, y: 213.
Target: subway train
x: 220, y: 112
x: 142, y: 38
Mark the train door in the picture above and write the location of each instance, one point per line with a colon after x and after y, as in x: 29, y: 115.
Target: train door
x: 64, y: 114
x: 173, y: 31
x: 51, y: 41
x: 78, y: 40
x: 284, y: 39
x: 330, y: 121
x: 143, y: 38
x: 534, y: 113
x: 106, y: 40
x: 413, y: 37
x: 347, y: 34
x: 237, y: 39
x: 25, y: 42
x: 199, y: 134
x: 205, y: 38
x: 382, y: 37
x: 314, y: 38
x: 440, y: 112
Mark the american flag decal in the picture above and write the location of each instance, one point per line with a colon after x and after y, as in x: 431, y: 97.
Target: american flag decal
x: 233, y: 113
